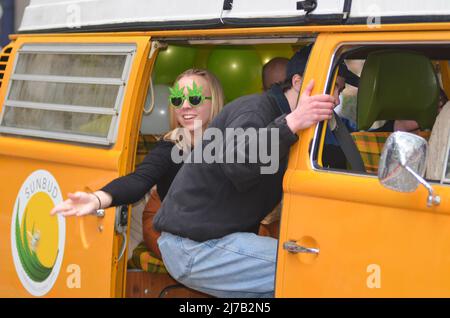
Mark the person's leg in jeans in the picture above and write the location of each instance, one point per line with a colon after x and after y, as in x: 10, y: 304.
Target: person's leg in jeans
x: 237, y: 265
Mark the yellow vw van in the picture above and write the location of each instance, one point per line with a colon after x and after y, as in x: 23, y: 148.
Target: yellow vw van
x: 82, y: 91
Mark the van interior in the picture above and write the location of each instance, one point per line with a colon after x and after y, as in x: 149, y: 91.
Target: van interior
x: 395, y: 83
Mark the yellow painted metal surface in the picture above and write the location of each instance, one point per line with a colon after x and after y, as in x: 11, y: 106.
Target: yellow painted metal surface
x: 89, y: 265
x: 373, y: 242
x: 242, y: 32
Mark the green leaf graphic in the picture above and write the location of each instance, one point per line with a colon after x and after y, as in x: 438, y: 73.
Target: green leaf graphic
x: 28, y: 258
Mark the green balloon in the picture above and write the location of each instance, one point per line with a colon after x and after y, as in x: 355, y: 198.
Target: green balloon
x: 238, y: 69
x: 171, y: 62
x: 201, y: 58
x: 269, y: 51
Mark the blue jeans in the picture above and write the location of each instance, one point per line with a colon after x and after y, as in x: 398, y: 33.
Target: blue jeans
x: 237, y: 265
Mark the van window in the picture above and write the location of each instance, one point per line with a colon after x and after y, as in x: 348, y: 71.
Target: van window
x: 400, y: 88
x: 67, y: 92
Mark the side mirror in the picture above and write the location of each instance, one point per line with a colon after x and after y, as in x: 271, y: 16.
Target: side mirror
x: 402, y: 164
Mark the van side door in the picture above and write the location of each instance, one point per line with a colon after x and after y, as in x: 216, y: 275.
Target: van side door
x: 70, y: 105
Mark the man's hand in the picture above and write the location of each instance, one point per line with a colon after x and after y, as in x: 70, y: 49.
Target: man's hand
x: 310, y: 109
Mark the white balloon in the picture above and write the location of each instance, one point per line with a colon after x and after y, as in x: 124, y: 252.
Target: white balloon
x: 157, y: 122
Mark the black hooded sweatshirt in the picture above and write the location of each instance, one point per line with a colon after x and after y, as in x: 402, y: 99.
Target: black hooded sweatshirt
x: 211, y: 200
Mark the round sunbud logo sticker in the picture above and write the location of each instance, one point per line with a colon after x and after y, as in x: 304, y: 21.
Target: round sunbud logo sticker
x: 37, y: 238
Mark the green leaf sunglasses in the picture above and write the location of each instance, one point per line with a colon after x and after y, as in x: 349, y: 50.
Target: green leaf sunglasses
x: 195, y: 96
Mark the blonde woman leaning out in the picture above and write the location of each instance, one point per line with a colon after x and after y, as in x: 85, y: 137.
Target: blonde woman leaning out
x: 197, y: 96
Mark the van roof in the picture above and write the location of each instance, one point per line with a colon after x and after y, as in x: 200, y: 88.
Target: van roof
x: 110, y: 15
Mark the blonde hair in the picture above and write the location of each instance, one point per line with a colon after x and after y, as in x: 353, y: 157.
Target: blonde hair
x: 217, y: 100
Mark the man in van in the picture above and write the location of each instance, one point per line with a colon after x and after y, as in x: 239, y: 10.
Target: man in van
x: 274, y: 71
x: 211, y: 214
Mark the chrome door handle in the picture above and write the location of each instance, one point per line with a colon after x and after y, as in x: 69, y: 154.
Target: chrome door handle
x: 292, y: 247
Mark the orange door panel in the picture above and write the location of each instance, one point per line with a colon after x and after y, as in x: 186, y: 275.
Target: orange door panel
x: 371, y: 241
x: 53, y: 256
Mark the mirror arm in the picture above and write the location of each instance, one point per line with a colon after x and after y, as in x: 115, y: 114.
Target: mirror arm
x: 432, y: 198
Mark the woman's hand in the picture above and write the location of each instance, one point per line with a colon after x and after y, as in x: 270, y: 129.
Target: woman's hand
x: 81, y: 203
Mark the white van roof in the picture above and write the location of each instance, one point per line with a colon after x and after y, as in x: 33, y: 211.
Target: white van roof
x: 101, y: 15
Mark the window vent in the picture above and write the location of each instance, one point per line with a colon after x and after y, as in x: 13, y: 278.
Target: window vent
x: 4, y: 58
